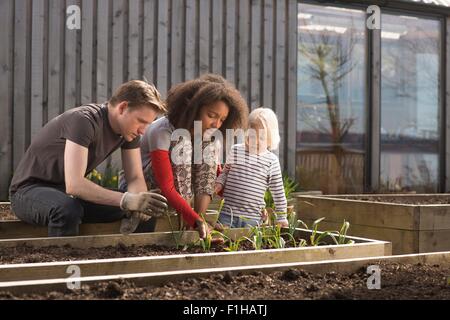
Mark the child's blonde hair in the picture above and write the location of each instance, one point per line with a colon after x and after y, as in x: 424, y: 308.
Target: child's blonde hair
x: 269, y: 121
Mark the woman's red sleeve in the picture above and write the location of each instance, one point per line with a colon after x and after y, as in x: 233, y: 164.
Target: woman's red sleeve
x: 162, y: 171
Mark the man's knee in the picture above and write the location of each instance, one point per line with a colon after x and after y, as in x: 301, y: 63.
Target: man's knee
x: 65, y: 217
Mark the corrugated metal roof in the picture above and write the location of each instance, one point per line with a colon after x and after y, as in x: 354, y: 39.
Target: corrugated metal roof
x: 442, y: 3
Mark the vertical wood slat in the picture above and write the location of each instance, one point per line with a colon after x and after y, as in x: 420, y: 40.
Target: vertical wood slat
x: 55, y: 59
x: 231, y: 36
x: 267, y: 63
x: 87, y: 51
x: 177, y: 39
x: 280, y: 69
x: 102, y: 72
x: 204, y: 34
x: 447, y: 106
x: 217, y: 37
x: 162, y: 77
x: 256, y: 48
x: 118, y: 44
x: 22, y: 81
x: 70, y: 61
x: 291, y: 108
x: 6, y: 94
x: 38, y: 63
x: 149, y: 45
x: 244, y: 49
x: 374, y: 77
x: 191, y: 39
x: 134, y: 40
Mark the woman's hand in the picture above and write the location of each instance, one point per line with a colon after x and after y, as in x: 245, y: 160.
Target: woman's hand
x: 204, y: 230
x: 218, y: 188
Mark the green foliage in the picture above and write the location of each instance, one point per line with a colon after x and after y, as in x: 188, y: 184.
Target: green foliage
x: 231, y: 245
x: 293, y: 224
x: 256, y: 237
x: 316, y: 238
x: 342, y: 234
x: 289, y: 186
x: 110, y: 178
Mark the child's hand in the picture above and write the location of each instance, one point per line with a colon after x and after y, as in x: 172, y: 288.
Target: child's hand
x: 264, y: 215
x: 218, y: 188
x: 283, y: 223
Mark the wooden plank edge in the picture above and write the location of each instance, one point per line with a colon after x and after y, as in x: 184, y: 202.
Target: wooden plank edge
x: 158, y: 278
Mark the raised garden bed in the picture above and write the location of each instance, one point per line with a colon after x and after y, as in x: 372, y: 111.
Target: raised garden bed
x: 17, y: 276
x: 420, y: 276
x: 414, y: 223
x: 12, y: 228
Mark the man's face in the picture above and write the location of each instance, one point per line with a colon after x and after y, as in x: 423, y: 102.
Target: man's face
x: 134, y: 121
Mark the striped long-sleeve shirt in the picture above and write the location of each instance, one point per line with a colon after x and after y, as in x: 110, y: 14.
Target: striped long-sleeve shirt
x: 245, y: 178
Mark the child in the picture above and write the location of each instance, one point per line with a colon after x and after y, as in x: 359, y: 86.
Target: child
x: 251, y: 168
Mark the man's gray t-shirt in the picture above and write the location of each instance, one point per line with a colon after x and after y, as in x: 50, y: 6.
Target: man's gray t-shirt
x: 87, y: 126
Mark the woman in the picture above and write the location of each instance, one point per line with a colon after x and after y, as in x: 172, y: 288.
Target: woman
x: 216, y: 105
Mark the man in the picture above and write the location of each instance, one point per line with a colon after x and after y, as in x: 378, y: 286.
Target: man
x: 49, y: 185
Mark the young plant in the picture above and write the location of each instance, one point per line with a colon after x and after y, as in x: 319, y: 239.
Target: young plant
x: 231, y: 245
x: 176, y: 234
x: 315, y: 238
x: 221, y: 203
x: 274, y: 237
x: 342, y: 234
x: 256, y: 237
x: 206, y: 243
x: 293, y: 224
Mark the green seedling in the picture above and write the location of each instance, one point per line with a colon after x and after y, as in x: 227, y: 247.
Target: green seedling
x: 342, y: 234
x: 315, y: 238
x: 275, y: 239
x: 256, y: 237
x: 231, y: 245
x: 293, y: 224
x: 176, y: 234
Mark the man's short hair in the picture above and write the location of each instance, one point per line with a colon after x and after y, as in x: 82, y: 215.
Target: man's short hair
x: 138, y: 93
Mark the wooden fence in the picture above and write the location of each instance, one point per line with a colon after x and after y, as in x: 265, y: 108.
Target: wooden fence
x: 47, y: 68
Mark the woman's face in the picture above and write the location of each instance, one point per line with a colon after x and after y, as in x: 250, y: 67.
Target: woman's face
x: 213, y: 116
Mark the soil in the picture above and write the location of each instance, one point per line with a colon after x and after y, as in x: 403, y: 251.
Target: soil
x: 6, y: 213
x: 399, y: 200
x: 28, y: 254
x: 410, y: 281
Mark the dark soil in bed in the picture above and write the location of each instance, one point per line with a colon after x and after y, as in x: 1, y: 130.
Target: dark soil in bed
x: 29, y: 254
x: 5, y: 212
x: 397, y: 282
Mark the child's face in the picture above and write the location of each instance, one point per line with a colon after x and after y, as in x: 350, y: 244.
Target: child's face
x: 257, y: 138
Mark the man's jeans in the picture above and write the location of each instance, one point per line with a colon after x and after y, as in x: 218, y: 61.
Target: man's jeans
x: 48, y: 205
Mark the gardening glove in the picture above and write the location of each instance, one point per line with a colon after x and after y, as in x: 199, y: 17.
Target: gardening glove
x: 150, y: 203
x: 130, y: 223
